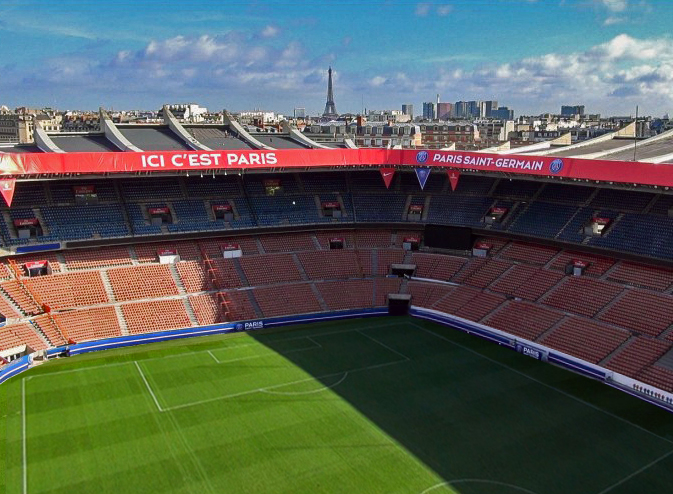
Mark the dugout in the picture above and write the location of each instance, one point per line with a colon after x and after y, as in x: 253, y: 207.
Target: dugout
x: 576, y: 267
x: 331, y: 209
x: 398, y: 304
x: 160, y: 215
x: 85, y: 194
x: 223, y: 211
x: 596, y: 226
x: 27, y: 228
x: 402, y: 270
x: 336, y: 243
x: 411, y: 243
x: 481, y: 249
x: 495, y: 215
x: 229, y: 250
x: 415, y: 212
x: 168, y: 256
x: 37, y: 268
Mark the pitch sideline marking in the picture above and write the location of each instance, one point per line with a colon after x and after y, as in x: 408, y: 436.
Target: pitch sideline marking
x: 214, y: 357
x: 450, y: 483
x: 296, y: 393
x: 23, y: 433
x: 637, y: 472
x: 260, y: 390
x: 229, y: 338
x: 383, y: 345
x: 147, y: 384
x: 314, y: 342
x: 564, y: 393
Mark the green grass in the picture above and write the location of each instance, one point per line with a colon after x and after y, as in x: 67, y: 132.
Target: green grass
x: 388, y: 405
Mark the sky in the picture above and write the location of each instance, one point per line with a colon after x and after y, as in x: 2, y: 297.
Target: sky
x: 530, y: 55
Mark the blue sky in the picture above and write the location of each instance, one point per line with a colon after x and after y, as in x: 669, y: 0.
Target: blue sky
x: 532, y: 55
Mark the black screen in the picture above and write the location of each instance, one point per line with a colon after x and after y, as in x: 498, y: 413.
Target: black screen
x: 448, y: 237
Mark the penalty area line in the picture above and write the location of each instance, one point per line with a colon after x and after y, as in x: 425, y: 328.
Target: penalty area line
x: 147, y: 385
x: 275, y: 386
x: 296, y: 393
x: 637, y: 472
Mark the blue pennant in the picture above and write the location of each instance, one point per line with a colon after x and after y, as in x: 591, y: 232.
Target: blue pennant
x: 422, y: 174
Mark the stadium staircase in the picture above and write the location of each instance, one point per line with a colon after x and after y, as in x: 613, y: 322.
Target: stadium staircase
x: 121, y: 320
x: 108, y: 285
x: 190, y: 312
x: 319, y: 297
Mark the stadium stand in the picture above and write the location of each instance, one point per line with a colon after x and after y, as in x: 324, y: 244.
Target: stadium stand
x: 206, y: 308
x: 642, y: 312
x: 294, y: 299
x: 582, y: 296
x: 157, y: 315
x: 639, y: 353
x: 138, y: 282
x: 587, y: 340
x: 15, y: 335
x: 524, y: 319
x: 270, y: 268
x: 436, y: 266
x: 617, y: 313
x: 642, y: 276
x: 97, y: 258
x: 90, y: 324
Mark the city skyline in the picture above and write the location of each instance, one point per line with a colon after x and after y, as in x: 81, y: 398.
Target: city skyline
x: 610, y: 55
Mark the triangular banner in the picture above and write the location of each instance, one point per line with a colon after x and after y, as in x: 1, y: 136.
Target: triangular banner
x: 7, y: 186
x: 453, y: 178
x: 422, y: 174
x: 387, y: 174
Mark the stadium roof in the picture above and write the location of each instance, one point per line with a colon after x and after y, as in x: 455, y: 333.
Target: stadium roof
x: 83, y: 143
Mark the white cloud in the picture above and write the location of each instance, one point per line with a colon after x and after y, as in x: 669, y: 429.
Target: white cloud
x: 270, y: 31
x: 444, y: 10
x: 614, y: 19
x: 616, y: 74
x: 612, y: 76
x: 422, y: 9
x: 377, y: 81
x: 615, y: 5
x: 623, y: 11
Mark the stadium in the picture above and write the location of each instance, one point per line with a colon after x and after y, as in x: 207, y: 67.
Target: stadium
x: 208, y: 308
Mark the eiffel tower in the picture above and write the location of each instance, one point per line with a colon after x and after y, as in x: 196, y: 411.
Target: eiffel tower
x: 330, y: 107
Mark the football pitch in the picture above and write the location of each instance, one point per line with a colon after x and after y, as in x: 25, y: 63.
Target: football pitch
x: 379, y: 405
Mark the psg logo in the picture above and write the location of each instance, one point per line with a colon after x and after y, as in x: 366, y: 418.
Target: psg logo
x: 239, y: 326
x: 556, y: 166
x: 422, y: 156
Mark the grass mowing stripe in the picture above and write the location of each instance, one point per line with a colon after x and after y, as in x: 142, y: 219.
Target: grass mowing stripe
x: 564, y: 393
x: 438, y: 421
x: 170, y: 444
x: 313, y: 391
x: 637, y: 472
x: 276, y: 352
x: 147, y: 385
x: 275, y: 386
x: 228, y: 338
